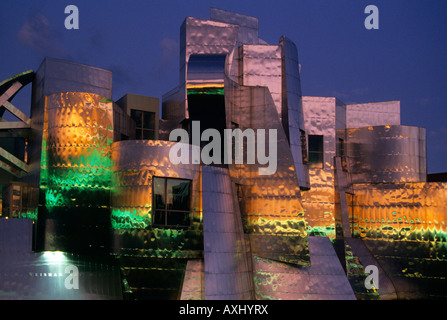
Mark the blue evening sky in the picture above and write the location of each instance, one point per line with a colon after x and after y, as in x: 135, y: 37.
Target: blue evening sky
x: 406, y: 59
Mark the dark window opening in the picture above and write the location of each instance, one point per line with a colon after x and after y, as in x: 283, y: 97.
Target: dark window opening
x: 144, y: 124
x: 209, y: 110
x: 171, y: 202
x: 316, y: 155
x: 341, y: 153
x: 340, y: 148
x: 304, y: 146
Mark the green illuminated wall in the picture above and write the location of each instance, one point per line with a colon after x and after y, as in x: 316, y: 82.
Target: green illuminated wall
x: 75, y: 181
x: 135, y: 163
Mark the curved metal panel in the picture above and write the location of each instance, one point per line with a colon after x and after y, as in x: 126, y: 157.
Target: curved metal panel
x: 373, y: 114
x: 387, y: 154
x: 155, y: 260
x: 62, y: 76
x: 206, y: 68
x: 248, y: 26
x: 193, y: 281
x: 319, y: 202
x: 401, y: 211
x: 261, y: 66
x: 292, y: 115
x: 227, y: 267
x: 53, y: 77
x: 271, y: 207
x: 404, y: 227
x: 28, y: 275
x: 79, y: 136
x: 76, y: 170
x: 206, y: 37
x: 135, y: 163
x: 324, y: 279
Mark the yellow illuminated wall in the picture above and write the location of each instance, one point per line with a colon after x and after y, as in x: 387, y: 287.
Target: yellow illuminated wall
x: 75, y: 167
x: 400, y: 211
x: 76, y: 163
x: 135, y: 163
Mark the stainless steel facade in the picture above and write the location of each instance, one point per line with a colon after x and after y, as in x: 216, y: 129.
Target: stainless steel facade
x: 227, y: 255
x: 292, y: 115
x: 349, y: 189
x: 249, y: 61
x: 271, y: 208
x: 154, y: 260
x: 57, y: 76
x: 373, y: 114
x: 371, y: 190
x: 324, y: 279
x: 75, y: 174
x: 131, y: 202
x: 391, y: 153
x: 41, y: 275
x: 401, y: 211
x: 320, y: 117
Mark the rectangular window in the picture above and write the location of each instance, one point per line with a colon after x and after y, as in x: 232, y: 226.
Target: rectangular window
x: 171, y: 202
x: 316, y: 155
x: 144, y: 124
x: 303, y: 146
x: 341, y: 153
x: 340, y: 148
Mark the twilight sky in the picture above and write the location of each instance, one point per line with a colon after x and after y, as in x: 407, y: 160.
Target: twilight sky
x: 406, y: 59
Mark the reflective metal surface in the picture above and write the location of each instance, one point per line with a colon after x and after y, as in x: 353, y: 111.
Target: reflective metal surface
x: 319, y: 202
x: 324, y: 279
x: 154, y: 260
x: 260, y: 65
x: 309, y: 230
x: 131, y: 201
x: 272, y: 218
x: 292, y: 115
x: 270, y: 205
x: 248, y: 26
x: 404, y: 226
x: 372, y: 114
x: 20, y: 200
x: 13, y: 162
x: 417, y: 269
x: 206, y: 37
x: 227, y: 256
x: 56, y: 76
x: 357, y: 257
x: 387, y: 154
x: 193, y: 287
x: 28, y: 275
x: 75, y: 171
x: 400, y: 211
